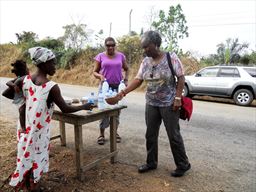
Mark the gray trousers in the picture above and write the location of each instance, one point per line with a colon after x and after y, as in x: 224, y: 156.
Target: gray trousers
x: 154, y: 117
x: 104, y: 123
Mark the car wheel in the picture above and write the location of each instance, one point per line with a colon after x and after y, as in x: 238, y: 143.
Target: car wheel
x: 185, y: 91
x: 243, y: 97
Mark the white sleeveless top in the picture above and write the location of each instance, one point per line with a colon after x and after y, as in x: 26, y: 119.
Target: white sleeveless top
x: 33, y: 145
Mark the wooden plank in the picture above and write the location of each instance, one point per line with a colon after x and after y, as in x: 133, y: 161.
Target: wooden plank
x: 96, y: 162
x: 78, y: 150
x: 113, y: 128
x: 55, y: 137
x: 85, y: 117
x: 62, y: 133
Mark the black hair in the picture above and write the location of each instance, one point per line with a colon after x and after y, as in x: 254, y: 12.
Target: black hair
x: 152, y: 37
x: 110, y: 39
x: 19, y: 68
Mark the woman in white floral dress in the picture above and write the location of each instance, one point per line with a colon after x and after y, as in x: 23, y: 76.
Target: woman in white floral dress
x: 33, y: 145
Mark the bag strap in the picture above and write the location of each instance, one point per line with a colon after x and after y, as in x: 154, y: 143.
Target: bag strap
x: 170, y: 66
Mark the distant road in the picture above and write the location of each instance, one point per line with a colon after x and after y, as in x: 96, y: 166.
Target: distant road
x: 220, y: 141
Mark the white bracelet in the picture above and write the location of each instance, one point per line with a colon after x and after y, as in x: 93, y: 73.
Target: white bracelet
x: 177, y: 98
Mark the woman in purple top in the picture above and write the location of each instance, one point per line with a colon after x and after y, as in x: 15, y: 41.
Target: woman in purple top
x: 108, y: 65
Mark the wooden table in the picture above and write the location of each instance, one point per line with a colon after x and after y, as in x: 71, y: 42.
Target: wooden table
x: 80, y: 118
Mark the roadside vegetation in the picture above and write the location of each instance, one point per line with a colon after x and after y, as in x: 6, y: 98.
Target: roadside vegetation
x: 77, y: 47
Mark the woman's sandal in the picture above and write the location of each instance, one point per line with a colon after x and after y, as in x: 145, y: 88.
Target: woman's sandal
x: 118, y: 138
x: 101, y: 140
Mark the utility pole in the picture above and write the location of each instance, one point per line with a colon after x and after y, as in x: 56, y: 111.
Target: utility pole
x: 130, y: 21
x: 110, y: 29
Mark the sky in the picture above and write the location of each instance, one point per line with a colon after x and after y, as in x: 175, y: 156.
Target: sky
x: 210, y: 22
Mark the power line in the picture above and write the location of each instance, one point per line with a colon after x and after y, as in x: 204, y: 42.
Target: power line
x: 224, y: 24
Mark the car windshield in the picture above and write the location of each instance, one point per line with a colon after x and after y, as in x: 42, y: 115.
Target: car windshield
x: 251, y: 71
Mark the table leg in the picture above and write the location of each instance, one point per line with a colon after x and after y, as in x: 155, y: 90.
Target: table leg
x: 79, y: 150
x: 113, y: 128
x: 62, y: 133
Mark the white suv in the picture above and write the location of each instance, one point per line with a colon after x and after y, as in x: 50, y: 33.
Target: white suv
x: 235, y: 82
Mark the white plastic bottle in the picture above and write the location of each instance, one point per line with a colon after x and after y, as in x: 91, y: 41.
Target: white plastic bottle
x: 107, y: 95
x: 114, y: 94
x: 101, y: 103
x: 120, y: 88
x: 105, y: 87
x: 91, y: 98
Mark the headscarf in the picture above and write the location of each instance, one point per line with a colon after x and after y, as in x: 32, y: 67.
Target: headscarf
x: 40, y: 55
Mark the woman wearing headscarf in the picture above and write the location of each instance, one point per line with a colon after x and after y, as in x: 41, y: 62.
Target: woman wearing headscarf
x: 163, y: 100
x: 40, y: 95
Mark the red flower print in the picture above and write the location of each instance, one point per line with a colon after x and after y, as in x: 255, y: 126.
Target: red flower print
x: 28, y: 130
x: 18, y: 160
x: 31, y: 91
x: 19, y: 134
x: 41, y: 173
x: 27, y: 154
x: 25, y: 139
x: 31, y: 141
x: 34, y: 99
x: 35, y: 166
x: 34, y: 122
x: 23, y: 148
x: 38, y: 114
x: 44, y: 85
x: 39, y: 126
x: 48, y: 119
x: 15, y: 175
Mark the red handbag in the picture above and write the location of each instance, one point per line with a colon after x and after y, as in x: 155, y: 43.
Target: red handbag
x: 186, y: 108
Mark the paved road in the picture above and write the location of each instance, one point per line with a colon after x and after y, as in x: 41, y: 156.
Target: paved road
x: 220, y: 142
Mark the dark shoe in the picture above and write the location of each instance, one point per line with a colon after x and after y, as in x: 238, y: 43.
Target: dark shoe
x: 180, y: 172
x: 101, y: 140
x: 145, y: 168
x: 118, y: 138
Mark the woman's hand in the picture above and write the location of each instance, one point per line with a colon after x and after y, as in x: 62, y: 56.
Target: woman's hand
x: 177, y: 104
x: 120, y: 96
x: 16, y: 88
x: 102, y: 78
x: 126, y: 82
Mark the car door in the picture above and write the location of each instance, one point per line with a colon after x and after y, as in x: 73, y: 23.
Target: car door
x: 226, y: 78
x: 204, y: 82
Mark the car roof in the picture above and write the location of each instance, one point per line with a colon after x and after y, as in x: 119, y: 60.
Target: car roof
x: 230, y: 66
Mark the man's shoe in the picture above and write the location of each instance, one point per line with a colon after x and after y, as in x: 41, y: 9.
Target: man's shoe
x: 145, y: 168
x: 180, y: 172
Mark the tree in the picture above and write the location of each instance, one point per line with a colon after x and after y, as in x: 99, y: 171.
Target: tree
x: 26, y: 37
x: 50, y: 43
x: 172, y: 27
x: 130, y: 46
x: 75, y: 36
x: 150, y: 16
x: 249, y: 59
x: 230, y: 51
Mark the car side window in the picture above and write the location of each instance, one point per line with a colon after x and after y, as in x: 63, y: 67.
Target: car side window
x: 209, y: 72
x: 228, y: 72
x: 251, y: 71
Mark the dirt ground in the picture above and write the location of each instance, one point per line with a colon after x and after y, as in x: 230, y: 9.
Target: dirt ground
x: 106, y: 177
